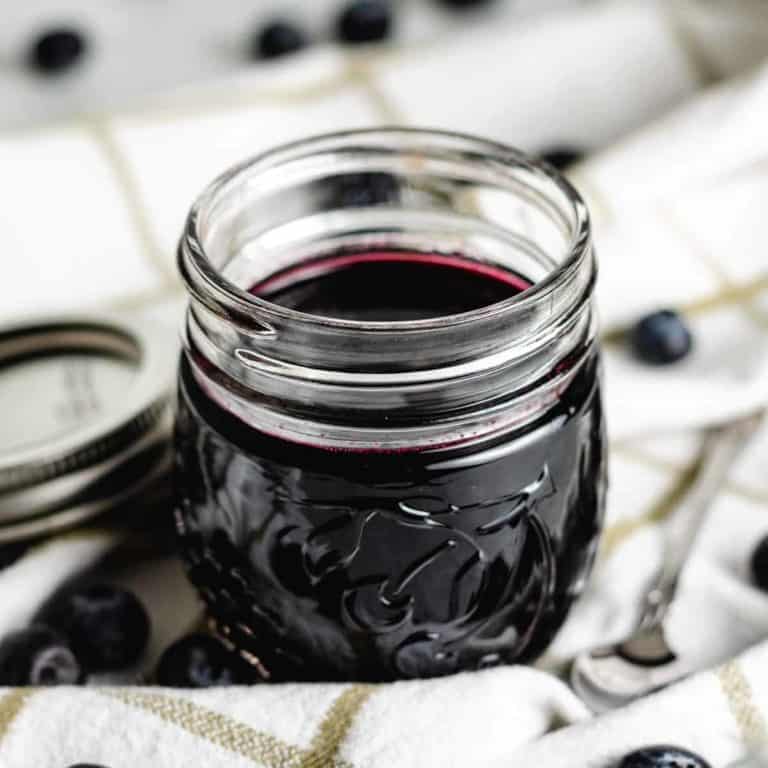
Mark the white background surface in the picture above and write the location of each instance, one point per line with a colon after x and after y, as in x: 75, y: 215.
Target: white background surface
x: 142, y: 46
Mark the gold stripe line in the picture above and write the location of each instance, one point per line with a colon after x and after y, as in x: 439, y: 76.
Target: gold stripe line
x: 705, y: 256
x: 214, y: 727
x: 703, y: 69
x: 738, y: 692
x: 335, y: 726
x: 238, y: 99
x: 11, y: 706
x: 206, y: 103
x: 702, y: 254
x: 659, y: 510
x: 597, y: 201
x: 630, y: 453
x: 735, y: 293
x: 129, y: 187
x: 360, y: 73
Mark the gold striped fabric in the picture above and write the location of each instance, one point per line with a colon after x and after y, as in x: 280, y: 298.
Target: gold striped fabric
x: 11, y: 706
x: 738, y: 692
x: 239, y: 738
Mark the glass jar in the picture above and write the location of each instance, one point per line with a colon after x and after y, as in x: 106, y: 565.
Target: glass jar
x: 390, y: 446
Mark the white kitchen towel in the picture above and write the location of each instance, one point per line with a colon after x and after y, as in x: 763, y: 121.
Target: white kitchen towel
x: 713, y: 714
x: 578, y: 78
x: 491, y: 719
x: 92, y: 207
x: 678, y: 222
x: 468, y: 720
x: 184, y: 42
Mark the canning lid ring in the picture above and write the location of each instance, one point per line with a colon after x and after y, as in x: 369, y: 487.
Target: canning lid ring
x: 53, y: 483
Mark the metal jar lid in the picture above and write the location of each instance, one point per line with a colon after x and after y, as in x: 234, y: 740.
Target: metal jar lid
x: 84, y: 419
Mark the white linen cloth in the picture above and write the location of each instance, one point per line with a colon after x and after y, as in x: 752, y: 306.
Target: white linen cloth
x: 679, y: 221
x: 183, y: 42
x: 577, y: 77
x: 493, y: 718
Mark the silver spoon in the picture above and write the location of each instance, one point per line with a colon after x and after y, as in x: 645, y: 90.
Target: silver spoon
x: 609, y: 677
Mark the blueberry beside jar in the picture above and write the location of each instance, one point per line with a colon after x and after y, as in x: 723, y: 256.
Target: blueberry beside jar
x: 390, y: 457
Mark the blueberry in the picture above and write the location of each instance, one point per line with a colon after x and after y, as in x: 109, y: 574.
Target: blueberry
x: 201, y: 661
x: 562, y: 157
x: 365, y: 21
x: 57, y: 50
x: 106, y: 626
x: 353, y: 190
x: 759, y: 565
x: 663, y: 757
x: 37, y: 656
x: 661, y: 338
x: 277, y: 39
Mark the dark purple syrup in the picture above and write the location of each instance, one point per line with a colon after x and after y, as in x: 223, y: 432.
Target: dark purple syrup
x: 332, y: 565
x: 388, y: 286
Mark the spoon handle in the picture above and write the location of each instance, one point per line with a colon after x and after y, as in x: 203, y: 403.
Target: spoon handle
x: 722, y: 447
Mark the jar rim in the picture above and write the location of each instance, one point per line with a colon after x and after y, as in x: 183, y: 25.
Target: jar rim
x: 198, y: 271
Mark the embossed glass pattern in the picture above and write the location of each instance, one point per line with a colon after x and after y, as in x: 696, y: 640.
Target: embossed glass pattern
x: 374, y: 496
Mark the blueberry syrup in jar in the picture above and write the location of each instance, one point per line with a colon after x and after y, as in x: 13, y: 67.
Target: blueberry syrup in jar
x: 390, y: 457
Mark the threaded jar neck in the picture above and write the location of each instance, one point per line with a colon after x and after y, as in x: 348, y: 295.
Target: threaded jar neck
x: 390, y: 382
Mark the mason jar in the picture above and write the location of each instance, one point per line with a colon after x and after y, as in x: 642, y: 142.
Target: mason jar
x: 390, y: 453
